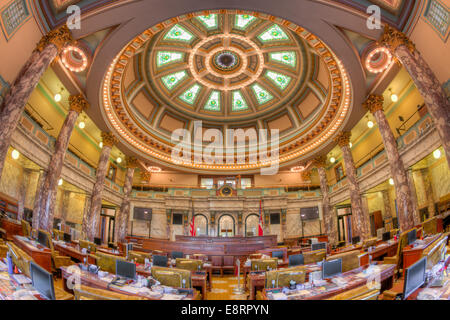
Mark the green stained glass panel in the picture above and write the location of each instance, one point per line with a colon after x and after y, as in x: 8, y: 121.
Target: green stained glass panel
x: 261, y: 94
x: 279, y: 79
x: 178, y: 33
x: 242, y: 21
x: 238, y: 102
x: 210, y: 21
x: 213, y: 102
x: 165, y: 57
x: 287, y: 57
x: 171, y: 80
x: 191, y: 94
x: 274, y: 33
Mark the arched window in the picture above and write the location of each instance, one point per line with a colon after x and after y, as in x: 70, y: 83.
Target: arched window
x: 226, y: 226
x: 251, y: 225
x: 201, y: 224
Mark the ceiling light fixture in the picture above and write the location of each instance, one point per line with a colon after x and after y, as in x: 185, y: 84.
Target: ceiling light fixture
x: 15, y: 154
x: 58, y: 95
x: 350, y: 144
x: 391, y: 181
x: 119, y: 160
x: 297, y: 169
x: 60, y: 182
x: 394, y: 97
x: 437, y: 154
x: 332, y: 159
x: 101, y: 144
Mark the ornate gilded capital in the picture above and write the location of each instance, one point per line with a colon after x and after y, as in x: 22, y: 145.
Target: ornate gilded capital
x: 146, y: 175
x: 374, y: 103
x: 320, y: 161
x: 131, y: 162
x: 343, y: 138
x: 78, y: 103
x: 108, y: 139
x: 393, y: 39
x: 58, y: 37
x: 306, y: 175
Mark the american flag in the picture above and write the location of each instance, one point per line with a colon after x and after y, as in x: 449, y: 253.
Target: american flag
x: 192, y: 231
x: 260, y: 225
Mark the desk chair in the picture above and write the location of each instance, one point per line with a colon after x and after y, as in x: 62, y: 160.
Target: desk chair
x: 314, y: 256
x: 20, y: 259
x: 350, y: 260
x: 89, y: 293
x: 26, y: 228
x: 172, y: 277
x: 282, y: 278
x: 430, y: 226
x: 106, y: 262
x: 85, y: 244
x: 217, y: 264
x: 296, y: 260
x: 3, y: 249
x: 188, y: 264
x: 228, y: 263
x: 160, y: 261
x: 177, y: 254
x: 58, y: 260
x: 398, y: 258
x: 200, y: 256
x: 139, y: 257
x: 264, y: 264
x: 369, y: 243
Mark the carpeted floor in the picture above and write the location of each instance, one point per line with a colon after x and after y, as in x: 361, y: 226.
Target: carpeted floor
x: 222, y: 288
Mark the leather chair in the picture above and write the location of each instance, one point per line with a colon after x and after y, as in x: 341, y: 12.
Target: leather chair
x: 360, y: 293
x: 264, y: 264
x: 398, y: 258
x: 26, y: 228
x: 85, y: 244
x: 217, y: 264
x: 58, y: 234
x: 139, y: 257
x: 20, y: 259
x: 188, y: 264
x: 314, y: 256
x: 430, y: 226
x: 200, y: 256
x: 3, y: 249
x: 296, y: 260
x: 89, y: 293
x: 228, y: 263
x: 350, y: 260
x: 106, y: 262
x: 58, y: 260
x: 283, y: 277
x: 369, y: 243
x: 172, y: 277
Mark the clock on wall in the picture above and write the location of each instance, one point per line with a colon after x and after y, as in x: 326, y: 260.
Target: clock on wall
x: 226, y: 191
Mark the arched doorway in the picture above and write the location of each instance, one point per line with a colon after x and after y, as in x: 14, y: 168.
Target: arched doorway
x: 226, y: 226
x: 251, y: 225
x: 201, y: 224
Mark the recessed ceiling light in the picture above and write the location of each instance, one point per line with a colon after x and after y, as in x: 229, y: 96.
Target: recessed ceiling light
x: 57, y: 97
x: 370, y: 124
x: 394, y: 97
x: 119, y: 160
x: 437, y: 154
x: 391, y: 181
x: 15, y: 154
x: 82, y: 125
x: 101, y: 144
x: 60, y: 182
x: 332, y: 159
x: 350, y: 144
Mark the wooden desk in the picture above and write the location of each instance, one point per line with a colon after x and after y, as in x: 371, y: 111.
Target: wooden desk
x: 109, y: 251
x: 246, y: 269
x: 73, y: 252
x: 386, y: 275
x: 384, y: 250
x: 258, y: 280
x: 8, y: 287
x: 11, y: 228
x: 92, y: 280
x: 198, y: 280
x: 41, y: 255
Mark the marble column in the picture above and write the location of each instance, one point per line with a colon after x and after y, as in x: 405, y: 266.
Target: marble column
x: 92, y: 220
x: 25, y: 180
x: 360, y: 219
x: 387, y: 210
x: 65, y: 205
x: 50, y: 185
x: 329, y: 217
x: 37, y: 200
x: 415, y: 202
x: 428, y: 190
x: 15, y: 100
x: 425, y: 80
x: 366, y: 212
x: 402, y: 189
x: 123, y: 215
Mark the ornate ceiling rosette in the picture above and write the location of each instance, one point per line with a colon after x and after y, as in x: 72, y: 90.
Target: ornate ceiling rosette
x: 229, y: 69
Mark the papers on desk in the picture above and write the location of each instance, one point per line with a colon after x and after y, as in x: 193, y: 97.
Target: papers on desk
x: 169, y: 296
x: 279, y: 296
x: 3, y: 266
x: 21, y: 279
x: 429, y: 294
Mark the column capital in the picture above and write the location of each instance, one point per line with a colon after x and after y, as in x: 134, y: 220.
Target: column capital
x: 320, y: 161
x: 108, y: 139
x: 146, y: 175
x: 392, y: 38
x: 306, y: 175
x: 58, y: 37
x: 131, y: 162
x: 374, y: 103
x: 78, y: 103
x: 343, y: 138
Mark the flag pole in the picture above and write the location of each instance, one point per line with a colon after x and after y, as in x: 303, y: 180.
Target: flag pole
x: 238, y: 289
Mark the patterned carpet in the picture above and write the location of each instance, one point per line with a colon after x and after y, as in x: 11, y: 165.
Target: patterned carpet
x: 222, y: 288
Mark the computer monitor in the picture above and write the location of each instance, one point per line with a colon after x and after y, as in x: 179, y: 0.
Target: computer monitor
x: 42, y: 239
x: 386, y: 236
x: 414, y: 277
x: 277, y: 254
x: 296, y: 260
x: 331, y: 268
x: 42, y: 281
x: 356, y: 240
x: 318, y: 246
x: 412, y: 236
x: 67, y: 237
x: 160, y: 261
x: 177, y: 254
x: 98, y: 241
x: 125, y: 269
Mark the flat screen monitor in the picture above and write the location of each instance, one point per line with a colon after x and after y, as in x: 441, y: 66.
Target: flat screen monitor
x: 296, y: 260
x: 67, y: 237
x: 318, y: 246
x: 125, y: 269
x: 42, y: 281
x: 160, y: 261
x: 414, y: 277
x: 386, y: 236
x: 42, y: 239
x: 98, y: 241
x: 356, y: 240
x: 277, y: 254
x: 412, y: 236
x: 331, y: 268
